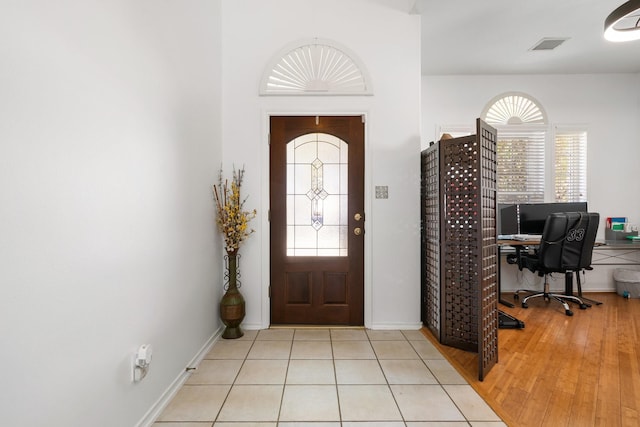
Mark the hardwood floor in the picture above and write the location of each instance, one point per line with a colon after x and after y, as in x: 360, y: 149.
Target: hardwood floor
x: 563, y: 371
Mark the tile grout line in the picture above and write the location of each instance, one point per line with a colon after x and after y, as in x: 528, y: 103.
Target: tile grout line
x: 335, y: 377
x: 233, y: 383
x: 395, y: 400
x: 284, y: 382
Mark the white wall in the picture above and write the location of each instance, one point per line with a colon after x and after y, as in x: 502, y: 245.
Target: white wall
x: 109, y: 141
x: 609, y: 106
x: 387, y: 40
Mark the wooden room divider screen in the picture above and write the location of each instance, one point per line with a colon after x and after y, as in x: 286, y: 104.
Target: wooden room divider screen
x: 459, y: 250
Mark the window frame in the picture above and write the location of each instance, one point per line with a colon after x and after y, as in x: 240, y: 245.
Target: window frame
x: 571, y: 129
x: 550, y: 140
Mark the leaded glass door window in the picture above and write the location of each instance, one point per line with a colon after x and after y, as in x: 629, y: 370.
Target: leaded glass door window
x: 317, y: 196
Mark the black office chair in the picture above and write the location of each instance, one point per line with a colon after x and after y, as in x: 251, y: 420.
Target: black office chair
x: 566, y: 246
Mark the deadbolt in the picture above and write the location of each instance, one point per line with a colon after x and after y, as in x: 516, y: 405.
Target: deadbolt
x: 357, y: 217
x: 357, y: 231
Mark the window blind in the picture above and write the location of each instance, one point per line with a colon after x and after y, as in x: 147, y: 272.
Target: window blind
x: 570, y: 165
x: 521, y: 161
x: 456, y: 131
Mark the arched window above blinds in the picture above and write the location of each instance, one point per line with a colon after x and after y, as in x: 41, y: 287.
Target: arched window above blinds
x: 317, y: 67
x: 513, y: 109
x: 528, y: 172
x: 521, y: 125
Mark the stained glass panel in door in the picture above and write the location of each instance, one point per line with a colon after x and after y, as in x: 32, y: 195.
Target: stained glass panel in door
x: 317, y: 195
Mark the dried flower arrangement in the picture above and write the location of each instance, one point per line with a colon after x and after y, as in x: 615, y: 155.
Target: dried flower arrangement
x: 232, y: 219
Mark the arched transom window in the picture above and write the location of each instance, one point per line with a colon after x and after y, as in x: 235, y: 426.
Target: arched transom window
x: 318, y: 67
x: 514, y: 109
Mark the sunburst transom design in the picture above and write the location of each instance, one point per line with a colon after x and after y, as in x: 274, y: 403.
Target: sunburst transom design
x: 514, y: 109
x: 317, y: 68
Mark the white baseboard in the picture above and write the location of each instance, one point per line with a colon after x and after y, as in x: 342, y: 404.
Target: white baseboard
x: 154, y: 412
x: 254, y: 326
x: 411, y: 326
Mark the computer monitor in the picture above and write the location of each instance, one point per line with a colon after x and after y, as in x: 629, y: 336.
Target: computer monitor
x: 507, y: 219
x: 532, y: 216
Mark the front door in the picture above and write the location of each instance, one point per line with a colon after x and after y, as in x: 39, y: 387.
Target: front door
x: 317, y: 220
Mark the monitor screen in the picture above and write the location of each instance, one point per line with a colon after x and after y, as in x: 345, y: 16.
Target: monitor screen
x: 507, y: 219
x: 532, y: 216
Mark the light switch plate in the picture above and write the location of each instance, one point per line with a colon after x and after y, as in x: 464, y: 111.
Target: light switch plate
x: 382, y: 192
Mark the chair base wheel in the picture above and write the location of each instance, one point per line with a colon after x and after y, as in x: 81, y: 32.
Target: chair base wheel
x: 568, y: 312
x: 583, y: 306
x: 525, y: 305
x: 516, y: 297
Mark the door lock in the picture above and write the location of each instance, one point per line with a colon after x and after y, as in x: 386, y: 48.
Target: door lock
x: 357, y: 217
x: 357, y: 231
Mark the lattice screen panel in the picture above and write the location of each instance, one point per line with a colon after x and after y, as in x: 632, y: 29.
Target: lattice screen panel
x: 459, y: 251
x: 430, y: 239
x: 460, y: 225
x: 488, y: 317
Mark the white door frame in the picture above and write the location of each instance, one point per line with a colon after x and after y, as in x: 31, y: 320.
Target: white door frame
x: 265, y: 248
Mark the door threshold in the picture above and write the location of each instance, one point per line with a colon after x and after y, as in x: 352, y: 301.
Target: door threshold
x: 316, y: 327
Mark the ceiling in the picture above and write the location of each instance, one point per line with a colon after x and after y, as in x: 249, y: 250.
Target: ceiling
x: 495, y: 37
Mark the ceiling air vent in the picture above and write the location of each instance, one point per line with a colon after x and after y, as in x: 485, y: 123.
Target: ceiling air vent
x: 549, y: 43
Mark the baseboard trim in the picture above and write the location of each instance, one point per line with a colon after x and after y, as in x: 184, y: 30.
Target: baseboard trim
x: 396, y: 326
x: 156, y: 409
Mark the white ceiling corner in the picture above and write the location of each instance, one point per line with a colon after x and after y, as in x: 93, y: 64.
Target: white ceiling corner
x: 495, y: 37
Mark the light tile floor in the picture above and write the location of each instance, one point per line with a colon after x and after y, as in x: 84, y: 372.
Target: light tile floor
x: 326, y: 378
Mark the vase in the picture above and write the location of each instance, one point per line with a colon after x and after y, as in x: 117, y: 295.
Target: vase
x: 232, y: 308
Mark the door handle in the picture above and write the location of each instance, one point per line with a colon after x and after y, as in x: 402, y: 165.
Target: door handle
x: 357, y: 216
x: 357, y: 231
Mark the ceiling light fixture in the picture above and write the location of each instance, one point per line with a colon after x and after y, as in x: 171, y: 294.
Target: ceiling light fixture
x: 623, y: 24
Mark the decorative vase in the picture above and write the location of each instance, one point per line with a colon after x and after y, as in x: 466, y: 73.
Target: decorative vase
x: 232, y: 309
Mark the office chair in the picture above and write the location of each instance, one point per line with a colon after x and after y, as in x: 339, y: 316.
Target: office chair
x: 566, y: 246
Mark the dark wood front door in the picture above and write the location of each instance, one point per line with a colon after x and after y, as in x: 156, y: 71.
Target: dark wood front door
x: 317, y: 220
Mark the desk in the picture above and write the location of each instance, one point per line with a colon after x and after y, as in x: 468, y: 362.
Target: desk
x: 626, y: 252
x: 608, y: 252
x: 517, y: 244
